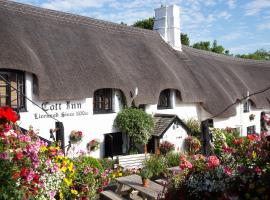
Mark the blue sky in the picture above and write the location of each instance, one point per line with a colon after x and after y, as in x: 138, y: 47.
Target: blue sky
x: 242, y: 26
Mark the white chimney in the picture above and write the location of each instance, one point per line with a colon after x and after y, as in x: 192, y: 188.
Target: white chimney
x: 167, y: 23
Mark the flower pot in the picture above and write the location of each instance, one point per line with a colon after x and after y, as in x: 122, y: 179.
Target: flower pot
x: 145, y: 182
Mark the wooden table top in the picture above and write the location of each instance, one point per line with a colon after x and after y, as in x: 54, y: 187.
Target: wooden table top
x: 135, y: 181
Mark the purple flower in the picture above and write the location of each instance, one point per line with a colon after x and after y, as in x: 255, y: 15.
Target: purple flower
x: 4, y: 156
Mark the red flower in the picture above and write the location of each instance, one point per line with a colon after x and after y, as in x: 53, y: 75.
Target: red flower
x: 24, y: 172
x: 19, y: 155
x: 36, y: 178
x: 258, y: 170
x: 16, y: 175
x: 213, y: 162
x: 8, y: 114
x: 238, y: 141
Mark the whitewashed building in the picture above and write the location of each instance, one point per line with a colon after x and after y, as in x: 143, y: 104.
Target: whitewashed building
x: 83, y: 71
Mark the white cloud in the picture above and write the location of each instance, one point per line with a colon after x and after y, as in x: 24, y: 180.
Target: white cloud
x: 232, y: 36
x: 231, y: 4
x: 68, y: 5
x: 224, y: 14
x: 264, y: 26
x: 256, y: 6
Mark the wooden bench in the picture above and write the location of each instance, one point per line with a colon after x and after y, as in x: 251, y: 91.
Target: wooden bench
x: 161, y: 181
x: 110, y: 195
x: 132, y: 161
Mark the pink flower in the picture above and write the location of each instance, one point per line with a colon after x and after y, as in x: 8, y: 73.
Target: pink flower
x: 258, y: 170
x: 227, y: 149
x: 213, y: 162
x: 228, y: 170
x: 185, y: 164
x: 4, y: 156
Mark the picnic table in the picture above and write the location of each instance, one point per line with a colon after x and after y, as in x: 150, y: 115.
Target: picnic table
x: 153, y: 191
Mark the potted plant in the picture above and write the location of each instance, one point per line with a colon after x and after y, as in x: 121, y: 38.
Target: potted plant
x: 146, y: 174
x: 251, y: 117
x: 93, y: 145
x: 75, y: 137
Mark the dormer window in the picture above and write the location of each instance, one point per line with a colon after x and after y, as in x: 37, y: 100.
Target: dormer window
x: 103, y: 101
x: 11, y: 89
x: 164, y: 100
x: 246, y: 106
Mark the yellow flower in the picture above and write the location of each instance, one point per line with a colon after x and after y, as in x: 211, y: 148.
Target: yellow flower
x: 64, y: 169
x: 67, y: 181
x: 61, y: 196
x: 58, y: 148
x: 120, y: 174
x: 70, y: 167
x: 43, y: 148
x: 74, y: 192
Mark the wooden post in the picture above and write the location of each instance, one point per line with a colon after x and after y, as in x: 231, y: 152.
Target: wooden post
x: 145, y: 149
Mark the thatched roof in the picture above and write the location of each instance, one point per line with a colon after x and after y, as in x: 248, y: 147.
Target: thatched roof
x: 72, y: 56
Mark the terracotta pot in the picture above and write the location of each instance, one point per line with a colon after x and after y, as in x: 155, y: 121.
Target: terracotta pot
x: 145, y: 182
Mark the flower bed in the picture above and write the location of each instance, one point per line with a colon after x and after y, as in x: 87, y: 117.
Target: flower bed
x: 30, y: 169
x: 240, y: 171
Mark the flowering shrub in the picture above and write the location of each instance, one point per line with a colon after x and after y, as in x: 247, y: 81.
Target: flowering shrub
x: 93, y: 145
x: 165, y: 147
x: 27, y: 171
x: 75, y: 137
x: 30, y: 169
x: 242, y: 171
x: 192, y: 144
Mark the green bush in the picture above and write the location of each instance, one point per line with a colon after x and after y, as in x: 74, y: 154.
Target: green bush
x: 172, y: 159
x: 106, y: 163
x: 156, y: 164
x: 137, y: 124
x: 194, y: 126
x: 87, y: 161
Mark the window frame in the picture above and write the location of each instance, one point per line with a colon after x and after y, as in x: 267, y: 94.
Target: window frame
x: 103, y: 93
x: 246, y: 106
x: 9, y: 74
x: 167, y: 94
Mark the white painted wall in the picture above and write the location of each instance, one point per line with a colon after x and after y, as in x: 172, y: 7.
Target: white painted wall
x: 183, y: 110
x: 94, y: 126
x: 176, y: 135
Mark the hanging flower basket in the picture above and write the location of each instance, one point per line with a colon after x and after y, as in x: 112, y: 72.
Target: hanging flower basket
x: 75, y: 137
x: 251, y: 117
x: 93, y: 145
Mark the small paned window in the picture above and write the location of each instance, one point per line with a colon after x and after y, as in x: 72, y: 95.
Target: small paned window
x: 246, y: 106
x: 11, y: 89
x: 103, y: 101
x: 251, y: 130
x: 164, y: 100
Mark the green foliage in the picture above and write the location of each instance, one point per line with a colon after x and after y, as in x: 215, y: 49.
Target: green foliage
x: 146, y: 173
x: 172, y: 159
x: 184, y: 39
x: 194, y: 126
x: 136, y: 123
x: 202, y: 45
x: 260, y: 54
x: 106, y: 163
x: 156, y: 164
x: 205, y: 45
x: 87, y: 161
x: 145, y: 23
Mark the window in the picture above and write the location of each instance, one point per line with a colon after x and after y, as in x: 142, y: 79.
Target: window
x: 11, y: 87
x: 246, y: 106
x: 251, y: 130
x: 103, y: 101
x: 164, y: 100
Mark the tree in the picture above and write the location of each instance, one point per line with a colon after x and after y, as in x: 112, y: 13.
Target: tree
x: 260, y: 54
x: 145, y: 23
x: 217, y: 48
x: 184, y: 39
x: 137, y: 124
x: 204, y: 45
